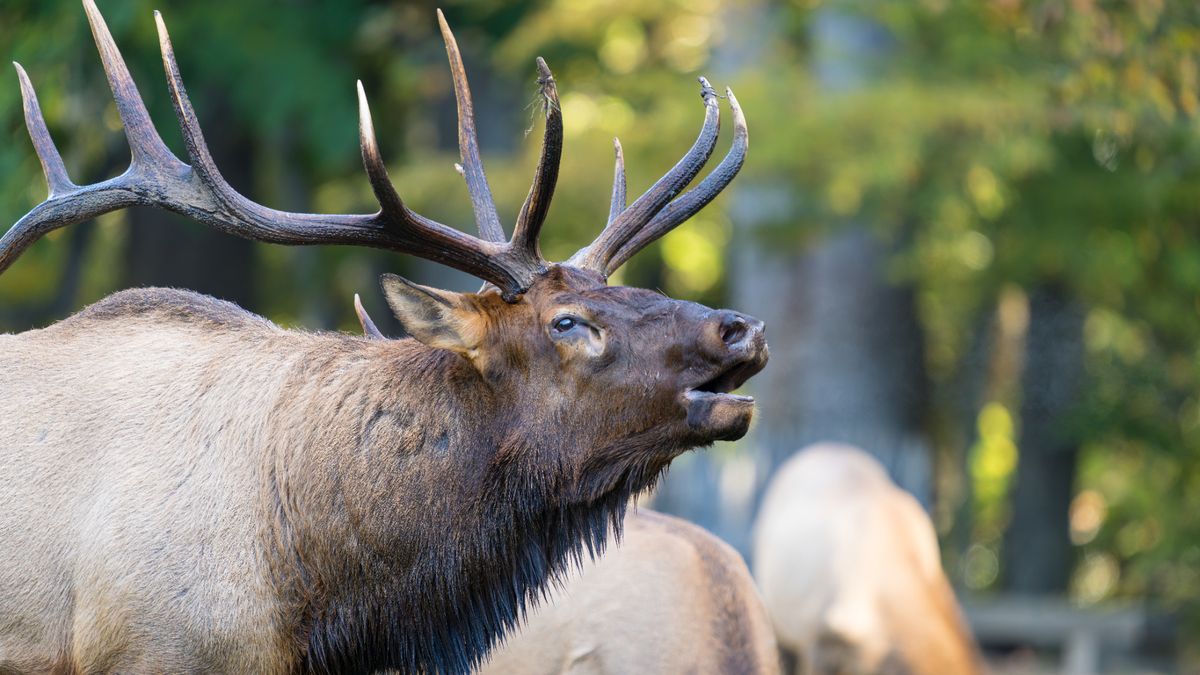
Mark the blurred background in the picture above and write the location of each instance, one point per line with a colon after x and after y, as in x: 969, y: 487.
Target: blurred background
x: 971, y: 228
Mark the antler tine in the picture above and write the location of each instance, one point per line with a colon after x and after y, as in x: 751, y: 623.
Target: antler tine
x: 545, y: 177
x: 67, y: 203
x: 618, y: 191
x: 433, y: 240
x: 145, y: 144
x: 52, y: 163
x: 598, y: 255
x: 381, y: 184
x: 698, y: 197
x: 486, y: 218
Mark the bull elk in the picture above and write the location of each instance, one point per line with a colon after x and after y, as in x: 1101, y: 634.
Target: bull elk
x: 850, y: 571
x: 189, y: 488
x: 670, y: 598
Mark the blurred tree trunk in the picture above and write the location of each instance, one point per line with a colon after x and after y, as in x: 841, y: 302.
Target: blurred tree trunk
x: 849, y: 351
x: 959, y: 406
x: 1037, y: 546
x: 846, y: 348
x: 847, y: 355
x: 164, y: 249
x: 305, y: 263
x: 858, y: 369
x: 66, y: 293
x: 66, y: 296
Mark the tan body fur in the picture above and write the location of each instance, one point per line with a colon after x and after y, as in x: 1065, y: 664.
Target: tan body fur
x: 671, y: 598
x: 849, y: 568
x: 109, y: 530
x: 154, y: 481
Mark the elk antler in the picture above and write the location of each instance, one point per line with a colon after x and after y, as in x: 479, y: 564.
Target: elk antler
x: 652, y: 215
x: 687, y: 205
x: 370, y: 330
x: 545, y: 177
x: 157, y: 178
x: 618, y: 191
x: 486, y: 218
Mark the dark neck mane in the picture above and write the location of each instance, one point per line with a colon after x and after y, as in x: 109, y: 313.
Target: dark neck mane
x: 409, y: 534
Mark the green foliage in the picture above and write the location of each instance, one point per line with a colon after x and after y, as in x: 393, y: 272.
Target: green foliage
x: 1031, y: 143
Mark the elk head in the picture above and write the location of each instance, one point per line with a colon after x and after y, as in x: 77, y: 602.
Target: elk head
x: 609, y: 372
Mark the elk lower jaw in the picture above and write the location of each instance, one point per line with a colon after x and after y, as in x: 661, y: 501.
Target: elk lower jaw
x: 721, y: 416
x: 714, y: 410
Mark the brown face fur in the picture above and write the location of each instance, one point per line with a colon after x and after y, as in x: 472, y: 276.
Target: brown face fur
x: 620, y: 379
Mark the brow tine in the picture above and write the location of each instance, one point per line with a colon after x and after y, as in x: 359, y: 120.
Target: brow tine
x: 364, y: 320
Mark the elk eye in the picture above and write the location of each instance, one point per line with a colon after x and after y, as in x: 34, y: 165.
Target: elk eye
x: 564, y: 324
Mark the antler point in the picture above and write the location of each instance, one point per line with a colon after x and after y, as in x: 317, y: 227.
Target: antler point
x: 164, y: 38
x: 733, y: 102
x: 366, y: 128
x: 93, y: 13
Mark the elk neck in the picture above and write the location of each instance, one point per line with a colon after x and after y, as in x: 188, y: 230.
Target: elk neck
x: 411, y: 519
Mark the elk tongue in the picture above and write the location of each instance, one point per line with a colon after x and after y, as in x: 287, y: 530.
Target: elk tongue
x: 699, y: 396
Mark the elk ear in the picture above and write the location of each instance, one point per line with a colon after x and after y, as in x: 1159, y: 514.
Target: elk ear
x: 442, y: 319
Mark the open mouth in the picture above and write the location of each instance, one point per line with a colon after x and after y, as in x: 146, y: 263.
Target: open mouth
x: 713, y: 410
x: 725, y: 382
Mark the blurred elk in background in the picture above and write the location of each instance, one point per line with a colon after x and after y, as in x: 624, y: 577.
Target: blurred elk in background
x: 849, y: 568
x: 190, y: 488
x: 670, y: 598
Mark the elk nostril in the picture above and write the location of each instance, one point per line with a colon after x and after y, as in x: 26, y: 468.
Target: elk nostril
x: 733, y: 329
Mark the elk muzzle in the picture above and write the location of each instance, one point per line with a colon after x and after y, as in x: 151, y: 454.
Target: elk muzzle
x: 738, y: 345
